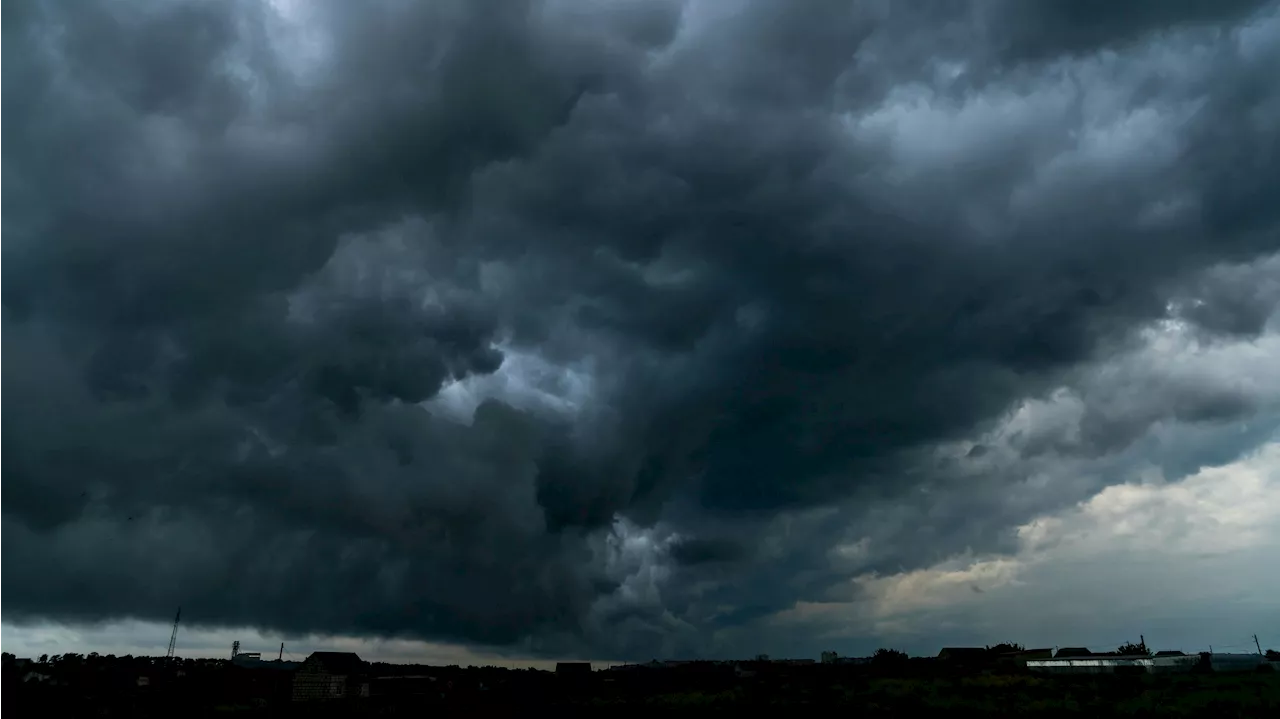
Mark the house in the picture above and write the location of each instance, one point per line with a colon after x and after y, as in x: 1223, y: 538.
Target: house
x: 833, y: 658
x: 963, y: 654
x: 1023, y: 656
x: 573, y: 669
x: 1106, y: 664
x: 249, y: 660
x: 254, y: 679
x: 331, y: 675
x: 1084, y: 665
x: 1221, y: 662
x: 1046, y: 653
x: 1072, y: 653
x: 403, y: 685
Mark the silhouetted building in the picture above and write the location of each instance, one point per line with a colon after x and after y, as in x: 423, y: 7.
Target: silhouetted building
x: 252, y: 660
x: 331, y: 675
x: 1220, y: 662
x: 1072, y: 653
x: 573, y: 669
x: 1113, y: 664
x: 1023, y: 656
x: 963, y: 654
x: 253, y: 679
x: 402, y: 685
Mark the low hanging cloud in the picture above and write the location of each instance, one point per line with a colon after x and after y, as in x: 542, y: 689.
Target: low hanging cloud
x: 602, y: 328
x: 1140, y: 549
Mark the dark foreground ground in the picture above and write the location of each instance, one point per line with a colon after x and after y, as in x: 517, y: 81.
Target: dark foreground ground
x: 1020, y: 695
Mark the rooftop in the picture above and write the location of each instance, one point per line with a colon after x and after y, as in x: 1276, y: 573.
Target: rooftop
x: 961, y: 652
x: 338, y: 662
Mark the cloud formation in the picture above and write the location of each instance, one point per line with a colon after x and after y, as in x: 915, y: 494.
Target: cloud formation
x: 609, y: 327
x: 1140, y: 549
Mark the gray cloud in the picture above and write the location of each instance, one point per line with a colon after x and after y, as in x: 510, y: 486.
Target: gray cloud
x: 781, y: 261
x: 1062, y: 26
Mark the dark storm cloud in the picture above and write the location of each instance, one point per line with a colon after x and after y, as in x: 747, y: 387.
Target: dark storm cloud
x: 1043, y: 29
x: 1233, y: 300
x: 704, y: 551
x: 239, y: 252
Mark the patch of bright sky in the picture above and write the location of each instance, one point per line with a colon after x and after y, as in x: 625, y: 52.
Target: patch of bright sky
x: 302, y: 47
x: 1130, y: 553
x: 524, y: 380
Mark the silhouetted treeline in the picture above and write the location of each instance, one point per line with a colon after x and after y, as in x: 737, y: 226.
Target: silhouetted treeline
x: 888, y: 684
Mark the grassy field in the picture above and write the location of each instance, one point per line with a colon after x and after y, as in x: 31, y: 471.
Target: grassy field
x: 1241, y: 695
x: 910, y: 691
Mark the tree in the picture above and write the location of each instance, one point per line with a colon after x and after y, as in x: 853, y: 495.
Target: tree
x: 44, y: 659
x: 1131, y: 649
x: 1273, y: 655
x: 1005, y: 648
x: 889, y: 656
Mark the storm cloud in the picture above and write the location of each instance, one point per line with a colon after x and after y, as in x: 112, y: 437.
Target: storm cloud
x: 608, y: 327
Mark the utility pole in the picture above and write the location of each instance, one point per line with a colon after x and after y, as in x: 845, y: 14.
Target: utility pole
x: 280, y: 656
x: 1256, y: 644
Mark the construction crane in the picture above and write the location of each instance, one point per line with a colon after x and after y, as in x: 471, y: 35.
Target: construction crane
x: 173, y: 638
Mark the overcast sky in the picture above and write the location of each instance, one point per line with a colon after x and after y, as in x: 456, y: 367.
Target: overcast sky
x: 500, y: 331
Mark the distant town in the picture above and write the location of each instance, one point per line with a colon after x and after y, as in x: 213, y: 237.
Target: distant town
x: 245, y: 681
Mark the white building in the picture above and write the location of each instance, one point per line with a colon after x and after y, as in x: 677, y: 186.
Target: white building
x: 1151, y: 665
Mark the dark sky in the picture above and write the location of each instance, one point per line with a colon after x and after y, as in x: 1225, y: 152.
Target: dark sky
x: 627, y: 328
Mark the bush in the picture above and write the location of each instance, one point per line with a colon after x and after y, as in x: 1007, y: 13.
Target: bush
x: 1132, y: 649
x: 884, y: 656
x: 1006, y: 648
